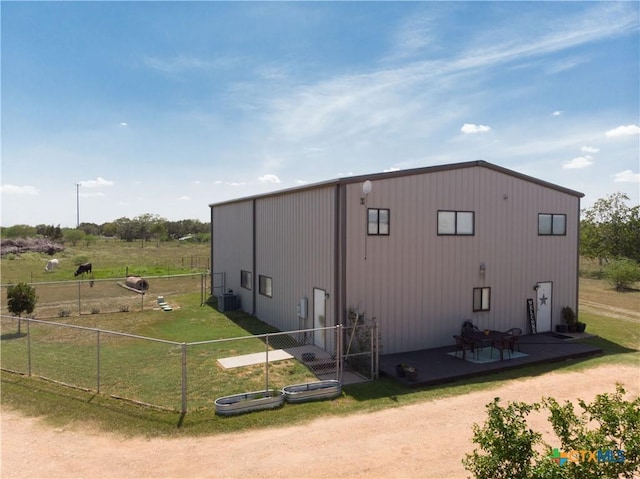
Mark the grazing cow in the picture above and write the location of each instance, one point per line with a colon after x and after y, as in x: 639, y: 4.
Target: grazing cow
x: 83, y: 268
x: 51, y: 265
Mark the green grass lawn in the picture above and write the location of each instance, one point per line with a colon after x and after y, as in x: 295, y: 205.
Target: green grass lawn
x: 151, y: 372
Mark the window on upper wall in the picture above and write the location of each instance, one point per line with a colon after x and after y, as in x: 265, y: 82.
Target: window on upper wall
x: 378, y: 221
x: 246, y: 279
x: 552, y: 224
x: 456, y: 223
x: 481, y: 299
x: 265, y: 287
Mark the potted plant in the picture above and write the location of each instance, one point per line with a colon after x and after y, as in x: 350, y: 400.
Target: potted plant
x: 569, y: 318
x: 400, y: 370
x: 411, y: 373
x: 580, y: 326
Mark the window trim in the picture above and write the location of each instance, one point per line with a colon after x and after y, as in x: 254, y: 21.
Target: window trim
x: 455, y: 223
x: 482, y: 307
x: 388, y: 224
x: 246, y: 279
x: 261, y: 289
x: 553, y: 215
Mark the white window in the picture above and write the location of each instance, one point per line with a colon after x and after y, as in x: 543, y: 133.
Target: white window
x: 552, y: 224
x: 456, y: 223
x: 265, y: 287
x: 481, y: 299
x: 378, y: 221
x: 246, y: 279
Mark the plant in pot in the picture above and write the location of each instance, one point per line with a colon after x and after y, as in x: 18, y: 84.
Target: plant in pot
x: 400, y: 370
x: 411, y: 373
x: 569, y: 318
x: 580, y: 326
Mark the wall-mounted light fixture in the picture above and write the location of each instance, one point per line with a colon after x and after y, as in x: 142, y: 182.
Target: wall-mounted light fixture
x: 366, y: 189
x: 483, y: 268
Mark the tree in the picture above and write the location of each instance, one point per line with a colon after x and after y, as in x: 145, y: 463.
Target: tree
x: 622, y: 273
x: 73, y: 236
x: 611, y: 229
x: 21, y: 298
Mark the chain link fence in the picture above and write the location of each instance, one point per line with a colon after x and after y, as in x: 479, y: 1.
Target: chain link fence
x: 180, y: 376
x: 60, y: 299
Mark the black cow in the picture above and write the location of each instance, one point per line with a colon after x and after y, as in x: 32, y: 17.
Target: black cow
x: 83, y: 268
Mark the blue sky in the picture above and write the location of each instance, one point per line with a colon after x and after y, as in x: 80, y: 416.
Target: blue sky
x: 165, y: 107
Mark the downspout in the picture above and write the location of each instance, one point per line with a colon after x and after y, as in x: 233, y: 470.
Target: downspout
x: 578, y: 262
x: 254, y: 276
x: 211, y: 249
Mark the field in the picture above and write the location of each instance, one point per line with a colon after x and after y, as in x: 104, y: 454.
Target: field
x: 612, y: 316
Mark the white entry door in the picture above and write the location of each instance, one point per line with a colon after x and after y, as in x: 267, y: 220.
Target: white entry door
x: 319, y: 316
x: 543, y: 306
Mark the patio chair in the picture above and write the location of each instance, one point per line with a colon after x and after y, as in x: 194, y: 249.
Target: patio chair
x: 463, y: 344
x: 501, y: 344
x: 514, y: 335
x: 468, y: 329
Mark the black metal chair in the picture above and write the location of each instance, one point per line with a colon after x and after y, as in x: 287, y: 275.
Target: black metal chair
x: 514, y: 335
x: 501, y: 344
x: 463, y: 344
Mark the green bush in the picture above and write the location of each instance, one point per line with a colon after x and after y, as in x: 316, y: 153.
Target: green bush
x: 602, y: 441
x: 622, y: 273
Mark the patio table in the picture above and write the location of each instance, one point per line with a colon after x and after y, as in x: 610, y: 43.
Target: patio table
x: 489, y: 337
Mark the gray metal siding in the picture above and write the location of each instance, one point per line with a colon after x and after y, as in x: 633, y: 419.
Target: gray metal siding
x: 232, y: 240
x: 295, y: 246
x: 419, y: 285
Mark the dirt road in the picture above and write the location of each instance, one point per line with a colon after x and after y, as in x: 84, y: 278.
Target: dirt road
x: 426, y: 440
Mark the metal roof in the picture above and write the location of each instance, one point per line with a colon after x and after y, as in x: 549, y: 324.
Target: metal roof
x: 403, y: 173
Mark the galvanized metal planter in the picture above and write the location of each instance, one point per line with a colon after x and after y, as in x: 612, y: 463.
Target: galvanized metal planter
x: 314, y: 391
x: 247, y: 402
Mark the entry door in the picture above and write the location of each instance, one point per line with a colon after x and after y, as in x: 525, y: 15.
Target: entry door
x: 319, y: 316
x: 543, y: 305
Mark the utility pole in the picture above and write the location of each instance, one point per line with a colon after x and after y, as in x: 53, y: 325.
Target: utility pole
x: 78, y: 205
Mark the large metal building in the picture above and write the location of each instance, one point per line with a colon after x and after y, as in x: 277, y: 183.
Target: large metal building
x: 420, y: 250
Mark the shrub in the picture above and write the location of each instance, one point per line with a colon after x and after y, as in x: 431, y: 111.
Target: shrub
x: 95, y: 310
x: 64, y: 313
x: 622, y: 273
x: 124, y: 309
x: 603, y: 441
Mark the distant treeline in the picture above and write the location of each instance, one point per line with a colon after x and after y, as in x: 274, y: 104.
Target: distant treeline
x: 144, y: 227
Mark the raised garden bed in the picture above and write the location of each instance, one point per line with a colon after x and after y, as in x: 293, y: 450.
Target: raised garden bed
x: 314, y: 391
x: 248, y: 402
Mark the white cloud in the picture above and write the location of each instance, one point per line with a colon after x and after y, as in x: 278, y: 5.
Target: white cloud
x: 217, y: 182
x: 350, y: 173
x: 19, y: 190
x: 578, y: 162
x: 622, y: 130
x: 393, y: 168
x: 236, y: 183
x: 470, y: 128
x: 269, y: 178
x: 124, y: 123
x: 589, y: 149
x: 97, y: 183
x: 557, y: 113
x: 196, y: 182
x: 626, y: 176
x: 184, y: 198
x: 301, y: 182
x: 95, y: 194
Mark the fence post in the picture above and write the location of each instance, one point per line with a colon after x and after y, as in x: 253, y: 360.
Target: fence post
x: 184, y: 379
x: 98, y: 361
x: 28, y: 346
x: 79, y: 302
x: 339, y: 352
x: 266, y: 386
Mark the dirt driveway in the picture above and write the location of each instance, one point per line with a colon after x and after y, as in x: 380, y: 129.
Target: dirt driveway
x: 425, y: 440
